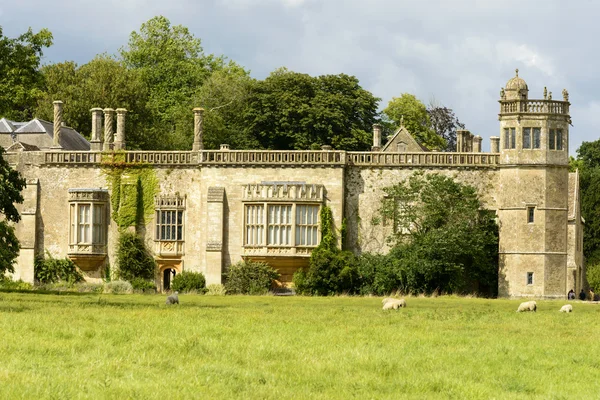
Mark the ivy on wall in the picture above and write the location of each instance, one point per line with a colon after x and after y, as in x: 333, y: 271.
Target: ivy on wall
x: 133, y: 187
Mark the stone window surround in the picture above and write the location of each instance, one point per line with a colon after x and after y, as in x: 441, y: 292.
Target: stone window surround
x: 510, y: 139
x: 531, y: 138
x: 263, y: 227
x: 555, y: 139
x: 175, y: 204
x: 530, y: 280
x: 530, y: 213
x: 97, y: 222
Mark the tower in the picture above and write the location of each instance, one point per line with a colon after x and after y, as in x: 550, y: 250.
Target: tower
x: 533, y: 195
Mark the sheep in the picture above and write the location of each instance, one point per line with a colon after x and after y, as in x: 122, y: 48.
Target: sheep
x: 566, y: 308
x: 393, y: 304
x: 527, y: 306
x: 173, y: 299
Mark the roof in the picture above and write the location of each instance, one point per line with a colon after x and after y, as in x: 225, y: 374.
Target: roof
x: 70, y: 139
x: 20, y: 146
x: 403, y: 135
x: 516, y: 83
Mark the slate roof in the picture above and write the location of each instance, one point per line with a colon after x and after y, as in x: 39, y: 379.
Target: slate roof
x: 70, y: 139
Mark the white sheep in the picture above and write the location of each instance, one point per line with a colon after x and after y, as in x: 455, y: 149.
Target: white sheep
x: 393, y: 304
x: 527, y: 306
x: 566, y: 308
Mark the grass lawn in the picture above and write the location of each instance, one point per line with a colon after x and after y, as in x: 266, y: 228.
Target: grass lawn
x: 134, y: 346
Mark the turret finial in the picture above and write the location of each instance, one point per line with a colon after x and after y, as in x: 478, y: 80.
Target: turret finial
x: 545, y: 93
x: 517, y: 72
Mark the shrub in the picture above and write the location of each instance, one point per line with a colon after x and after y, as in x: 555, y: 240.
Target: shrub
x: 52, y: 270
x: 329, y: 272
x: 134, y: 258
x: 379, y: 274
x: 249, y: 277
x: 7, y: 283
x: 118, y: 287
x: 593, y: 276
x: 188, y: 282
x: 85, y: 287
x: 215, y: 289
x: 143, y: 285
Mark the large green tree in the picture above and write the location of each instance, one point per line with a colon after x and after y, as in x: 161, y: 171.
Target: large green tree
x: 442, y: 236
x: 294, y: 111
x: 11, y: 185
x: 103, y: 82
x: 588, y: 163
x: 172, y: 65
x: 21, y: 81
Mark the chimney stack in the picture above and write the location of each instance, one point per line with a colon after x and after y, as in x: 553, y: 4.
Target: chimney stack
x: 108, y: 129
x: 495, y: 144
x: 96, y: 142
x: 120, y: 137
x: 198, y: 128
x: 477, y: 144
x: 377, y: 129
x: 58, y: 119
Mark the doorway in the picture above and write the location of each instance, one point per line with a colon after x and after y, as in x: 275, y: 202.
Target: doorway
x: 168, y: 275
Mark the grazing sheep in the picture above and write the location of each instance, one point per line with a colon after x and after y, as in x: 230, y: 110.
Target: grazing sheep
x: 393, y: 304
x: 173, y: 299
x: 527, y: 306
x: 566, y: 308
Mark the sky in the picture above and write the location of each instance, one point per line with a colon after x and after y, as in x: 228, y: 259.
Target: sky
x: 457, y: 53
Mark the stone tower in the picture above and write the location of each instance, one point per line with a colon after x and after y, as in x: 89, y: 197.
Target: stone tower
x: 532, y: 200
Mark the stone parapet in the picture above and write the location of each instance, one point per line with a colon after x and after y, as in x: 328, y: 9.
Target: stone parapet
x: 424, y: 159
x: 534, y: 107
x: 242, y: 158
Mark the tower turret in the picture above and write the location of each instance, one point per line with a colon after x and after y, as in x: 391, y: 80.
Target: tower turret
x: 534, y: 138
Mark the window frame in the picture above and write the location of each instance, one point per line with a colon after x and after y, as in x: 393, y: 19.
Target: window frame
x: 264, y: 240
x: 555, y: 139
x: 171, y: 206
x: 510, y: 138
x: 530, y: 279
x: 88, y: 221
x: 530, y: 215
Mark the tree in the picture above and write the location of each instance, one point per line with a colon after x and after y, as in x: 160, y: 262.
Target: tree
x: 409, y: 111
x: 20, y: 77
x: 588, y: 162
x: 443, y: 238
x: 294, y: 111
x: 103, y: 82
x: 444, y: 123
x: 172, y: 66
x: 11, y: 185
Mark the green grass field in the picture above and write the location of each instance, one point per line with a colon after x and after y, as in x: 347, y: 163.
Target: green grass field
x: 133, y: 346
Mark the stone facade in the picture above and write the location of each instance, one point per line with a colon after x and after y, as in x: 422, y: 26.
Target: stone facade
x: 215, y: 208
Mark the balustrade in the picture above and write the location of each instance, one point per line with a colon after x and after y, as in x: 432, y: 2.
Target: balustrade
x: 534, y: 107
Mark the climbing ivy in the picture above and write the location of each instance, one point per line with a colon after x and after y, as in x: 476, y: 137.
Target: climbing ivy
x: 133, y: 187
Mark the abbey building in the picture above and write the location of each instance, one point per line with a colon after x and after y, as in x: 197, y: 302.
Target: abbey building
x: 203, y: 210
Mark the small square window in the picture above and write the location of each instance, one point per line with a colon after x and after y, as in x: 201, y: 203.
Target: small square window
x: 530, y: 214
x: 530, y: 278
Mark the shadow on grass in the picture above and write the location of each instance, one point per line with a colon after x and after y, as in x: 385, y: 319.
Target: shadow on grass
x: 8, y: 308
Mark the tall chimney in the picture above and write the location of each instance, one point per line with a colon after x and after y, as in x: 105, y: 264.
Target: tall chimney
x: 96, y: 142
x: 58, y: 119
x: 108, y: 129
x: 377, y: 129
x: 198, y: 129
x: 477, y: 144
x: 460, y: 141
x: 495, y: 144
x: 120, y: 138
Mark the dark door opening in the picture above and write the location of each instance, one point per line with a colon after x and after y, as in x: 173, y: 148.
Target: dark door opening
x: 168, y: 274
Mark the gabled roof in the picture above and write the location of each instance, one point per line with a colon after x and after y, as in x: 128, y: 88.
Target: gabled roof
x: 70, y: 139
x: 6, y: 126
x: 20, y: 146
x: 403, y: 135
